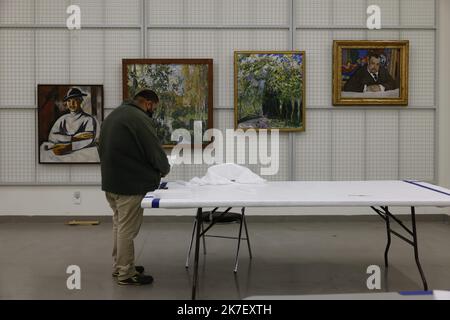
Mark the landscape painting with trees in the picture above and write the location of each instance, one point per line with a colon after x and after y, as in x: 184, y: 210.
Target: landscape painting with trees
x: 269, y: 90
x: 184, y: 87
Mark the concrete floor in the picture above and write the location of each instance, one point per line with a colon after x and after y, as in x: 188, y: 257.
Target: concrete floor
x: 290, y: 258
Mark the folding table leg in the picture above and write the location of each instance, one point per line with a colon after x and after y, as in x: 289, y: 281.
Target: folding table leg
x: 199, y: 219
x: 246, y: 233
x: 203, y: 237
x: 239, y: 246
x: 190, y: 244
x: 388, y: 217
x: 416, y: 249
x: 388, y: 245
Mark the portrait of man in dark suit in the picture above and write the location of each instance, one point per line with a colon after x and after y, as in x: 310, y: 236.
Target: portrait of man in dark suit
x: 371, y: 77
x: 370, y: 72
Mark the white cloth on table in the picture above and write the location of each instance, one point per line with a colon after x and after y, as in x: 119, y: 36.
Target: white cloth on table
x: 227, y: 173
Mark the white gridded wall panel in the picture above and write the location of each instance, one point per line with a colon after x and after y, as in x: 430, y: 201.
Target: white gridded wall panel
x: 421, y: 67
x: 53, y: 12
x: 313, y: 12
x: 242, y: 155
x: 92, y: 11
x: 417, y: 13
x: 349, y: 35
x: 177, y: 172
x: 348, y: 144
x: 417, y: 144
x: 166, y: 44
x: 283, y: 172
x: 164, y: 12
x: 383, y: 35
x: 271, y: 40
x: 118, y: 13
x: 53, y: 174
x: 17, y: 145
x: 200, y: 43
x: 216, y: 12
x: 87, y: 56
x: 16, y: 12
x: 255, y: 12
x: 312, y: 157
x: 382, y: 144
x: 17, y: 87
x: 98, y: 12
x: 224, y: 119
x: 241, y: 40
x: 119, y: 44
x: 269, y: 12
x: 52, y: 56
x: 390, y: 11
x: 282, y: 154
x: 85, y: 173
x: 194, y: 170
x: 317, y: 45
x: 349, y: 13
x: 200, y: 12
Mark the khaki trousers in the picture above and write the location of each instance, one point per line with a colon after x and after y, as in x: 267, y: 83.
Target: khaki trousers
x: 127, y: 220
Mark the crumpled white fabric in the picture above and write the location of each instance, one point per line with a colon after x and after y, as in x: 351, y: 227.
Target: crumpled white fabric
x: 227, y: 173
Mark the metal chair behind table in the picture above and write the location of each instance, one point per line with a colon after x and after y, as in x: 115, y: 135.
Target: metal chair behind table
x: 221, y: 217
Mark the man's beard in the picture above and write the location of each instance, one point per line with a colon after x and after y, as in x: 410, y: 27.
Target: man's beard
x: 149, y: 113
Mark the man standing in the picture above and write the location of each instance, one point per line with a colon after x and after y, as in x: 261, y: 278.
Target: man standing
x: 371, y: 77
x: 132, y: 164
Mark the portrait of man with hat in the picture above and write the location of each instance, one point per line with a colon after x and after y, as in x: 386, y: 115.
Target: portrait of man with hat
x: 74, y: 131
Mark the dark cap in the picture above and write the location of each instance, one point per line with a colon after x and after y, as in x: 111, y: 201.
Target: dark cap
x: 74, y: 93
x: 148, y: 95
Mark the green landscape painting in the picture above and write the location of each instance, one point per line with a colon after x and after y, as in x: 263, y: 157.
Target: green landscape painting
x: 269, y: 90
x: 184, y: 87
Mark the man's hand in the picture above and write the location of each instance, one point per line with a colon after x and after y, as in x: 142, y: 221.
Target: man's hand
x: 374, y: 88
x: 61, y: 149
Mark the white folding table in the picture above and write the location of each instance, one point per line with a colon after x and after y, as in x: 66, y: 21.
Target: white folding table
x: 378, y: 195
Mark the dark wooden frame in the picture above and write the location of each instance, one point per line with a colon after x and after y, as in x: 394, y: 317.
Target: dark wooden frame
x: 209, y: 62
x: 102, y: 117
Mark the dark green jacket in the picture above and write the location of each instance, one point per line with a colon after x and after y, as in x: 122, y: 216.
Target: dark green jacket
x: 131, y: 157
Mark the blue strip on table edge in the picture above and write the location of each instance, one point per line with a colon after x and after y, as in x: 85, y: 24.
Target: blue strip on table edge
x: 416, y: 293
x: 425, y: 187
x: 155, y: 203
x: 163, y: 185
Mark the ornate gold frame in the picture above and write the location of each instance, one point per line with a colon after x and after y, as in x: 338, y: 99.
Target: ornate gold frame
x: 338, y: 45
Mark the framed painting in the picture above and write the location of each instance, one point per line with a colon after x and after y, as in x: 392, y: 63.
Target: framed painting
x: 69, y: 119
x: 370, y: 72
x: 184, y: 88
x: 269, y: 90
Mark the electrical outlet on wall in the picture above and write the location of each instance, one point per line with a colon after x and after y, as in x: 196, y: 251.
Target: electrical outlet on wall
x: 77, y: 197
